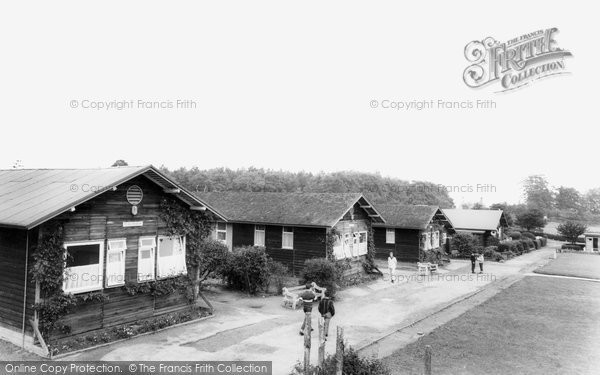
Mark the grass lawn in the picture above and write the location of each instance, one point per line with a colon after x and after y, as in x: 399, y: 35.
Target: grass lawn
x: 573, y: 264
x: 537, y: 326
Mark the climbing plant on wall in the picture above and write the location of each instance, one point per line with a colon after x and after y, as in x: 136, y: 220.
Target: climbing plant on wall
x: 195, y: 226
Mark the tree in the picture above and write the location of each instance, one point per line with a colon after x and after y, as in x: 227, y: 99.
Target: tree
x: 120, y: 163
x: 464, y: 243
x: 571, y: 230
x: 531, y: 219
x: 478, y: 206
x: 537, y: 193
x: 592, y: 201
x: 568, y: 198
x: 206, y: 258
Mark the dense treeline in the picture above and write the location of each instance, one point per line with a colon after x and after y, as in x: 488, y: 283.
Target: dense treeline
x: 373, y: 185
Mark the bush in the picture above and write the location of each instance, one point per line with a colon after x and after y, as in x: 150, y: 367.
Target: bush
x: 528, y: 235
x: 489, y: 251
x: 277, y: 275
x: 352, y: 364
x: 537, y: 244
x: 322, y: 271
x: 572, y: 247
x: 464, y: 243
x: 515, y: 235
x: 525, y: 245
x: 492, y: 241
x: 246, y: 268
x: 497, y: 256
x: 431, y: 256
x: 519, y: 247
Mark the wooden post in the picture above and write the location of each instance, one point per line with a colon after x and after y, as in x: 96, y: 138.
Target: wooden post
x: 427, y: 359
x: 307, y: 331
x: 339, y: 351
x: 321, y: 342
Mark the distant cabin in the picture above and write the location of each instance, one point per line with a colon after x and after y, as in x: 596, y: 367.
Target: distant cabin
x: 293, y: 227
x: 410, y: 230
x: 482, y: 224
x: 112, y: 232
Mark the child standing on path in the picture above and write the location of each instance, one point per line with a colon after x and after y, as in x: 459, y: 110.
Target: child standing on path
x: 480, y: 260
x: 392, y: 262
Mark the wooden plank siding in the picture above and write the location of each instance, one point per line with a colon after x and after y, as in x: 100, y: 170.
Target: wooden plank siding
x: 101, y: 219
x: 13, y: 249
x: 309, y: 243
x: 405, y: 248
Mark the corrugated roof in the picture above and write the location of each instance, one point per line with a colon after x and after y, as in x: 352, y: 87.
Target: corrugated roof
x: 406, y: 216
x: 304, y: 209
x: 475, y: 219
x: 28, y: 197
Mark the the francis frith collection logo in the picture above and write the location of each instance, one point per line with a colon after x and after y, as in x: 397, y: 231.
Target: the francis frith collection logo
x: 514, y: 63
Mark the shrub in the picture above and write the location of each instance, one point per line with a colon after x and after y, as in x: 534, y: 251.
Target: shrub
x: 431, y: 256
x: 322, y: 271
x: 531, y: 244
x: 519, y: 247
x: 246, y: 269
x: 464, y: 243
x: 525, y: 245
x: 277, y: 275
x: 537, y: 244
x: 529, y: 235
x: 515, y: 235
x: 489, y: 251
x: 492, y: 241
x: 572, y: 247
x: 497, y: 256
x: 352, y: 364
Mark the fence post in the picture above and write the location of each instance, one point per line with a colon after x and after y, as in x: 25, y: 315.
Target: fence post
x: 321, y: 341
x: 427, y: 359
x: 307, y: 331
x: 339, y: 351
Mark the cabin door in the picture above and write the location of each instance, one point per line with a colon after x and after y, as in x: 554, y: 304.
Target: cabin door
x: 595, y: 244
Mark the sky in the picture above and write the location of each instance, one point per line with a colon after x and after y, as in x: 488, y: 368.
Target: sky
x: 290, y: 86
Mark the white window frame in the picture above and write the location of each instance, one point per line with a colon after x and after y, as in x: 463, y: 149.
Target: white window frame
x: 260, y: 233
x: 110, y: 250
x: 390, y: 235
x: 152, y: 257
x: 283, y: 235
x: 176, y: 258
x: 217, y: 231
x: 97, y: 285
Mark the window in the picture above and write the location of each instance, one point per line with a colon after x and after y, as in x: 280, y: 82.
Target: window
x: 287, y: 240
x: 390, y: 235
x: 171, y: 256
x: 83, y: 266
x: 115, y: 262
x: 436, y: 240
x: 444, y: 238
x: 146, y: 250
x: 259, y: 235
x: 348, y: 245
x: 222, y: 232
x: 362, y: 243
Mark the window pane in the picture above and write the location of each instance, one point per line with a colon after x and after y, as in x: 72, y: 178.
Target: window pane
x: 148, y: 242
x: 221, y: 226
x: 146, y: 254
x: 260, y: 227
x: 166, y: 247
x: 83, y: 255
x: 115, y: 257
x: 221, y: 236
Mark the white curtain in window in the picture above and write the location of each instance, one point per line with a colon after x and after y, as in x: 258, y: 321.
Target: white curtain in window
x: 171, y: 256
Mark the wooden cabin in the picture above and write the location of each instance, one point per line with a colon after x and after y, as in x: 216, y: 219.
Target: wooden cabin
x: 293, y: 227
x: 591, y: 241
x: 410, y: 230
x: 111, y: 230
x: 482, y: 224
